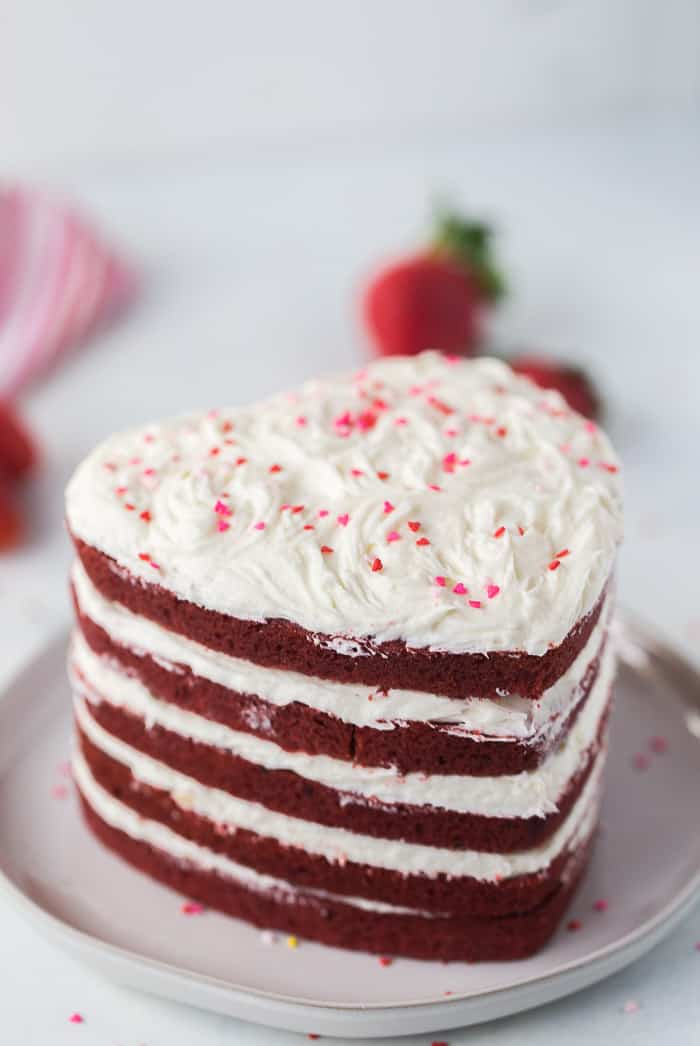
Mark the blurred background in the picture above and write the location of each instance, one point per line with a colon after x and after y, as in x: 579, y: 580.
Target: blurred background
x: 252, y: 163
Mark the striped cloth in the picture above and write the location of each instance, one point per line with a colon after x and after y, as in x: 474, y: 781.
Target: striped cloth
x: 58, y: 283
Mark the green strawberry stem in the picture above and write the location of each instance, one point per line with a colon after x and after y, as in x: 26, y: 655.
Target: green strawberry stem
x: 468, y: 244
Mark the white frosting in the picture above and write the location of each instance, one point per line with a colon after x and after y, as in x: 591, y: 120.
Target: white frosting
x: 507, y: 718
x: 532, y: 793
x: 504, y: 453
x: 335, y: 844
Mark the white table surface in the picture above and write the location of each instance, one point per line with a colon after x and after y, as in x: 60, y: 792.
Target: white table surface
x: 249, y: 264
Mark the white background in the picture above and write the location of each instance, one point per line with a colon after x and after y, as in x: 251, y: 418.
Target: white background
x: 254, y: 161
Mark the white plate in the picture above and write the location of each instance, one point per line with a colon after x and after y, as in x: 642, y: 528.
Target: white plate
x: 646, y: 866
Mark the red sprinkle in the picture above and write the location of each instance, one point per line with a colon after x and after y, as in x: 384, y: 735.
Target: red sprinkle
x: 608, y: 467
x: 222, y: 510
x: 227, y: 426
x: 145, y: 516
x: 344, y: 519
x: 521, y: 531
x: 641, y: 761
x: 129, y: 507
x: 312, y: 1035
x: 309, y: 526
x: 434, y: 486
x: 222, y: 525
x: 382, y: 475
x: 275, y: 468
x: 501, y: 431
x: 560, y: 555
x: 421, y: 542
x: 449, y: 462
x: 322, y: 512
x: 658, y: 745
x: 326, y: 550
x: 145, y: 557
x: 241, y: 461
x: 192, y: 908
x: 296, y: 509
x: 574, y: 925
x: 492, y: 591
x: 600, y: 906
x: 500, y: 532
x: 377, y: 565
x: 214, y: 451
x: 385, y: 961
x: 413, y: 525
x: 388, y: 507
x: 554, y: 565
x: 356, y: 472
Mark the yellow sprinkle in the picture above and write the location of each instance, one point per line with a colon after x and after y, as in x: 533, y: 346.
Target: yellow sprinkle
x: 292, y: 942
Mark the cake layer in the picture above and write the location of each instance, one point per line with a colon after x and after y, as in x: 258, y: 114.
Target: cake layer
x: 411, y: 731
x: 496, y: 814
x: 335, y: 860
x: 387, y: 665
x: 345, y: 922
x: 444, y: 505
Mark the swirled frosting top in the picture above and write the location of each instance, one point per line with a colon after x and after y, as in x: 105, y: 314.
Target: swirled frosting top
x: 447, y: 503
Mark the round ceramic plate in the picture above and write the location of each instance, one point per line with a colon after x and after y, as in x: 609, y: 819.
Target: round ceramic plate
x: 646, y: 868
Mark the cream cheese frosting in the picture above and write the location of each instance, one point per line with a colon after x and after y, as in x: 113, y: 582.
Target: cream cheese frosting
x: 508, y: 718
x: 447, y: 503
x: 531, y: 793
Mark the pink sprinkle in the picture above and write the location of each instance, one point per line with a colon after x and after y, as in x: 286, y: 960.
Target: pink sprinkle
x: 65, y: 769
x: 221, y: 509
x: 393, y: 535
x: 459, y: 589
x: 451, y: 432
x: 59, y: 791
x: 260, y: 525
x: 120, y: 490
x: 344, y: 519
x: 641, y: 761
x: 400, y: 421
x: 584, y: 462
x: 356, y: 472
x: 222, y: 525
x: 631, y: 1006
x: 192, y: 908
x: 440, y: 581
x: 76, y: 1018
x: 589, y: 426
x: 658, y: 745
x: 434, y: 486
x: 465, y: 461
x: 388, y: 507
x: 600, y: 906
x: 322, y: 513
x: 476, y: 603
x: 492, y: 591
x: 149, y: 472
x: 285, y: 507
x: 449, y: 462
x: 301, y: 421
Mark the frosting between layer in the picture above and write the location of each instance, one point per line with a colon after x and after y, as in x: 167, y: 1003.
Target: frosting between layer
x: 510, y: 717
x: 339, y: 506
x: 531, y: 793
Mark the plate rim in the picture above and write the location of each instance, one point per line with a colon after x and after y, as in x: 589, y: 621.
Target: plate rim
x: 454, y: 1009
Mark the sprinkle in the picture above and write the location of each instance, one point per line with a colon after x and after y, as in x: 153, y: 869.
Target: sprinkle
x: 313, y: 1035
x: 344, y: 421
x: 367, y: 420
x: 322, y: 513
x: 241, y: 461
x: 356, y: 472
x: 658, y: 745
x: 444, y: 408
x: 475, y: 603
x: 222, y: 525
x: 382, y: 475
x: 344, y: 519
x: 584, y: 462
x: 451, y: 432
x: 600, y: 906
x: 560, y: 555
x: 465, y: 461
x: 214, y: 451
x: 275, y: 468
x: 292, y: 942
x: 393, y: 535
x: 500, y: 532
x: 554, y: 565
x: 227, y: 426
x: 385, y: 960
x: 440, y: 581
x: 631, y: 1006
x: 76, y: 1018
x: 521, y: 531
x: 222, y: 510
x: 574, y: 925
x: 326, y: 550
x: 607, y: 467
x: 260, y: 525
x: 192, y: 908
x: 434, y: 486
x: 589, y: 426
x: 296, y: 509
x: 301, y: 421
x: 145, y: 516
x: 129, y: 507
x: 120, y: 490
x: 422, y: 542
x: 449, y: 462
x: 641, y: 761
x: 492, y: 591
x: 377, y: 565
x: 400, y: 421
x: 501, y: 431
x: 145, y: 557
x: 309, y: 526
x: 388, y: 507
x: 413, y: 525
x: 59, y: 791
x: 459, y: 589
x: 110, y: 466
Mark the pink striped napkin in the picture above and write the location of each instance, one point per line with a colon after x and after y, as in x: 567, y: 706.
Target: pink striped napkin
x: 58, y: 283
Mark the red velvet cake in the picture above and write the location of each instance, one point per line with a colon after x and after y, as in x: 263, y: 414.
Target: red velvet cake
x: 340, y: 666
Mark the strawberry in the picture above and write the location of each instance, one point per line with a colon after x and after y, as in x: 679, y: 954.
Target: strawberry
x: 434, y: 299
x: 574, y: 385
x: 18, y: 453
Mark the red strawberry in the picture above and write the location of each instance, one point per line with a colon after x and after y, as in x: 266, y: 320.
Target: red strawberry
x: 18, y: 454
x: 434, y: 299
x: 574, y: 385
